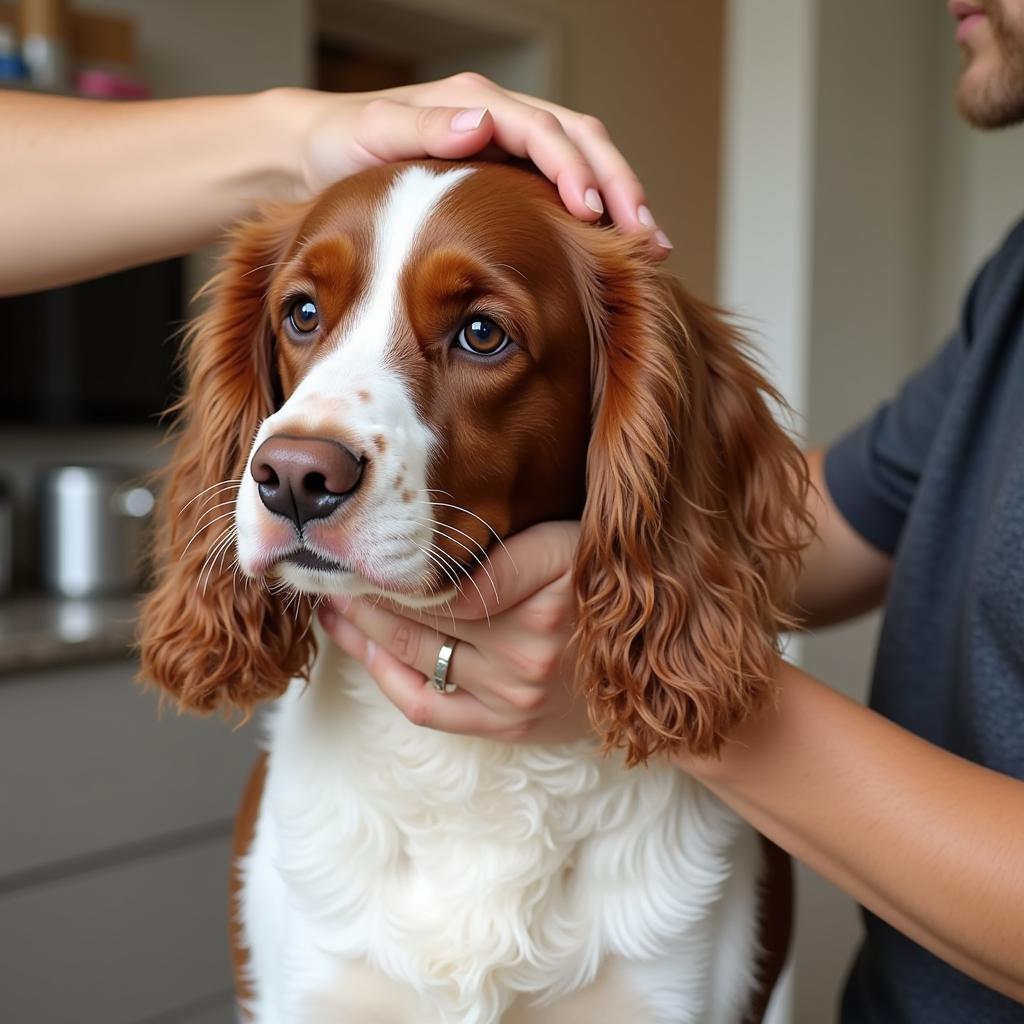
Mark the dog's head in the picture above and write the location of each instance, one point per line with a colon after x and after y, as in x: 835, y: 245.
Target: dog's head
x: 427, y: 358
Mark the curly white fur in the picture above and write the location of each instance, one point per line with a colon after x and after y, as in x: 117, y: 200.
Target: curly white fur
x: 478, y: 874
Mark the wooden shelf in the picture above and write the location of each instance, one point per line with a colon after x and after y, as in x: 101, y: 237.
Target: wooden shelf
x: 106, y: 38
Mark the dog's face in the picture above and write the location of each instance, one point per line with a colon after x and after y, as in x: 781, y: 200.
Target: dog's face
x: 428, y: 357
x: 433, y: 360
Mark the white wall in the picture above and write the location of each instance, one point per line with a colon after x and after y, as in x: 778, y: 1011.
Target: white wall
x: 764, y: 255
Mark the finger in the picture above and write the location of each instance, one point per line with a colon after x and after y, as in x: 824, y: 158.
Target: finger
x: 619, y: 184
x: 415, y: 644
x: 492, y: 153
x: 582, y: 175
x: 392, y: 130
x: 621, y: 188
x: 571, y: 149
x: 536, y: 134
x: 410, y: 690
x: 366, y: 631
x: 525, y: 563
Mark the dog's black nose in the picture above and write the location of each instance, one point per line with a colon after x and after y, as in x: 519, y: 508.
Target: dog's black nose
x: 304, y: 478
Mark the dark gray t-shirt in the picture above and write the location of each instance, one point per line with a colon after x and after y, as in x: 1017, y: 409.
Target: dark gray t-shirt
x: 936, y: 479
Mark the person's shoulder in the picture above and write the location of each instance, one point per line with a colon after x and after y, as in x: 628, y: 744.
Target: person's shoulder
x: 1013, y: 241
x: 1002, y: 272
x: 1009, y: 254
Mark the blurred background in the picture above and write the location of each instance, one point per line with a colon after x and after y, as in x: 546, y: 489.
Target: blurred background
x: 804, y: 157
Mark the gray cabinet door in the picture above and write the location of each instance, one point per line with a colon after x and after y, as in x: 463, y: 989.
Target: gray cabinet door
x: 114, y: 853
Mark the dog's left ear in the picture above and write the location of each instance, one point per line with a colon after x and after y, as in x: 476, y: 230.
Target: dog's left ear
x: 694, y: 522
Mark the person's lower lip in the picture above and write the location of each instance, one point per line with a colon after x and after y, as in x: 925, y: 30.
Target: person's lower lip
x: 966, y: 25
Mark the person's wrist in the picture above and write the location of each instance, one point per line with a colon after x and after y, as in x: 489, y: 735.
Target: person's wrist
x: 738, y: 754
x: 284, y: 118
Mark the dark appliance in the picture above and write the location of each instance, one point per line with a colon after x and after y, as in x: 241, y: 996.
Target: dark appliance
x: 99, y: 352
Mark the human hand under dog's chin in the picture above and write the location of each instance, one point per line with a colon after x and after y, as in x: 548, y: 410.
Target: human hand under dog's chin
x: 513, y: 661
x: 466, y: 115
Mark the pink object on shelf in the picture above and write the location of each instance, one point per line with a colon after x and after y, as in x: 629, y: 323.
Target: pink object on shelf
x: 108, y: 85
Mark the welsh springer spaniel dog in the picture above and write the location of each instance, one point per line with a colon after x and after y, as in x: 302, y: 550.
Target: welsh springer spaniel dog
x: 422, y: 360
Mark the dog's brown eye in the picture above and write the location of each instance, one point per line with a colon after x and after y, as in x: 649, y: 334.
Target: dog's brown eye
x: 303, y: 318
x: 482, y: 336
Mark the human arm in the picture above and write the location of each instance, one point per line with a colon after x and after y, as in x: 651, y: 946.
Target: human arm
x: 926, y: 840
x: 842, y: 574
x: 92, y: 187
x: 929, y: 842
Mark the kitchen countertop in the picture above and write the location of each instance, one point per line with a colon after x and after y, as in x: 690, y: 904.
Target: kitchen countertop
x: 39, y: 632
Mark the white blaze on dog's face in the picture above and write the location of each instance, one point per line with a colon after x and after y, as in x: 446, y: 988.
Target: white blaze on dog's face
x: 435, y: 382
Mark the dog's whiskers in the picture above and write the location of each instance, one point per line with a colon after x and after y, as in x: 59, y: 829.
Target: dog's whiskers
x: 213, y: 508
x: 483, y: 558
x: 435, y: 524
x: 219, y: 547
x: 480, y: 519
x: 201, y: 529
x: 468, y: 575
x: 440, y: 563
x: 513, y: 269
x: 221, y: 484
x: 265, y: 266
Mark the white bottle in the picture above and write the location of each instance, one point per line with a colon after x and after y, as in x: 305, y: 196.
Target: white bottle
x: 44, y: 44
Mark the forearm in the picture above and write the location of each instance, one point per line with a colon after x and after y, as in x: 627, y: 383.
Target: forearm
x: 929, y: 842
x: 843, y: 575
x: 134, y: 182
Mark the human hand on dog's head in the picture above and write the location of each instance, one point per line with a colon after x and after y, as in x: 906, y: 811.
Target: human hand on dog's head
x: 339, y: 134
x: 513, y: 661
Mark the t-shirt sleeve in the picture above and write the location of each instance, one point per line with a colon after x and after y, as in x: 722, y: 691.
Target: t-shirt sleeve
x: 872, y: 473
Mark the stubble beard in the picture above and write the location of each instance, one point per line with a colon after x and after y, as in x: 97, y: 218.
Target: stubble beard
x: 997, y: 101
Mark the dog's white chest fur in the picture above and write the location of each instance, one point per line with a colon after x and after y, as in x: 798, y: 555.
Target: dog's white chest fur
x: 476, y: 878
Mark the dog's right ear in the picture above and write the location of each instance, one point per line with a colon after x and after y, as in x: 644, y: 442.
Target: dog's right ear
x: 207, y: 637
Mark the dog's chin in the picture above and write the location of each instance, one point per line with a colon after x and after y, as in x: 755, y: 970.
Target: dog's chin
x: 311, y: 574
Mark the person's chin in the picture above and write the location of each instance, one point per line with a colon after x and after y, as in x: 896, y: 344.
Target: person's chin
x: 978, y: 93
x: 990, y: 90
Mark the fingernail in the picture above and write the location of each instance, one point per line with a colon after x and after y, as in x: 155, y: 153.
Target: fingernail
x: 644, y: 215
x: 340, y: 604
x: 468, y: 120
x: 592, y: 200
x: 662, y: 239
x: 371, y: 650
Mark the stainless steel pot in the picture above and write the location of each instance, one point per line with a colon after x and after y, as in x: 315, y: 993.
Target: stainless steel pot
x: 93, y: 530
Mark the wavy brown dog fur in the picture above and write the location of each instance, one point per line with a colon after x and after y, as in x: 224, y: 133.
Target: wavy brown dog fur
x: 691, y: 531
x: 207, y: 639
x: 694, y: 521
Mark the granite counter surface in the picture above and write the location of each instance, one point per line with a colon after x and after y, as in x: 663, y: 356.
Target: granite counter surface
x: 38, y: 632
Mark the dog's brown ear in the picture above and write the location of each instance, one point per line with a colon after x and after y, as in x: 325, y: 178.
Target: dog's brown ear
x: 209, y: 638
x: 694, y: 522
